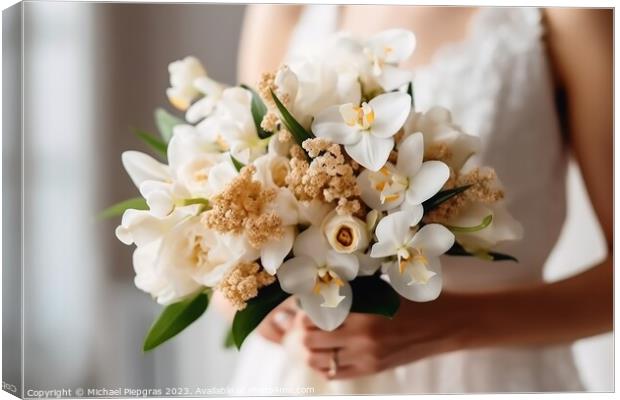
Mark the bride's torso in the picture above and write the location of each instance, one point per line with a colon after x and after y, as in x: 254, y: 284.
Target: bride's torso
x: 489, y: 66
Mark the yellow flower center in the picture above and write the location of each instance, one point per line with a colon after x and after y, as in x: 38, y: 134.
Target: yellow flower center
x: 361, y: 116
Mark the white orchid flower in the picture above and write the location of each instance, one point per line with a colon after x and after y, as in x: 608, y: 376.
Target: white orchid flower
x: 183, y: 75
x: 320, y: 276
x: 366, y: 131
x: 375, y: 59
x: 310, y: 86
x: 416, y: 272
x: 411, y: 180
x: 438, y: 129
x: 212, y: 92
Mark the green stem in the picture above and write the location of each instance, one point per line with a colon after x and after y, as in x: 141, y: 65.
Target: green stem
x: 469, y: 229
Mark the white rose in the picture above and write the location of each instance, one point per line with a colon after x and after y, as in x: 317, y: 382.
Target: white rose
x: 345, y: 233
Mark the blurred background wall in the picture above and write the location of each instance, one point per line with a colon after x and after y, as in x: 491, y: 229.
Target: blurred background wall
x: 92, y: 72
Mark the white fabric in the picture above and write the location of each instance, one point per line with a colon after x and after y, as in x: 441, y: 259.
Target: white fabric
x: 497, y: 84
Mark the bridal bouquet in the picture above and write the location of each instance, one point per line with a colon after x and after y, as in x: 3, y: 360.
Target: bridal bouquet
x: 325, y: 183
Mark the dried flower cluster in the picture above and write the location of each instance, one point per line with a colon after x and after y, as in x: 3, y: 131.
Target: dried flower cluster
x: 243, y: 282
x: 241, y: 208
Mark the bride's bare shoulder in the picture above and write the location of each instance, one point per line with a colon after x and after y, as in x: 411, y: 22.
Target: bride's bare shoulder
x: 579, y: 41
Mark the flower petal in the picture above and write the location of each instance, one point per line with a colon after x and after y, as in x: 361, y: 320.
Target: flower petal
x: 313, y: 212
x: 312, y: 243
x: 370, y: 195
x: 396, y: 227
x: 416, y: 291
x: 329, y: 124
x: 142, y: 167
x: 370, y: 151
x: 297, y: 275
x: 391, y: 111
x: 345, y: 265
x: 503, y: 227
x: 411, y: 155
x: 392, y: 77
x: 327, y: 318
x: 427, y: 182
x: 396, y: 44
x: 433, y: 240
x: 274, y: 251
x: 368, y: 265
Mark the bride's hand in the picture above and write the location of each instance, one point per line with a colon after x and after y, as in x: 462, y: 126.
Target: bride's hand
x: 278, y: 322
x: 368, y: 344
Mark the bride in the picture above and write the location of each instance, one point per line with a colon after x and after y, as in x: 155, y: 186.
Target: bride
x: 534, y: 89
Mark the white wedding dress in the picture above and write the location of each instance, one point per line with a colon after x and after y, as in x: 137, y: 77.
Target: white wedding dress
x: 498, y: 85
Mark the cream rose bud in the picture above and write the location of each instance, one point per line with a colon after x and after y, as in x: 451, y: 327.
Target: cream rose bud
x: 345, y: 233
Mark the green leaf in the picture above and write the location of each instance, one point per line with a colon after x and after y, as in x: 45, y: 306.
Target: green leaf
x: 250, y: 317
x: 299, y: 132
x: 238, y: 164
x: 373, y: 295
x: 136, y: 203
x: 259, y: 109
x: 410, y: 93
x: 486, y: 221
x: 174, y: 319
x: 458, y: 250
x: 165, y: 122
x: 229, y: 340
x: 442, y: 197
x: 160, y: 147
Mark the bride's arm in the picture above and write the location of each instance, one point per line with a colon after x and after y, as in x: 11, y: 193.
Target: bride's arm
x: 264, y: 39
x: 558, y: 312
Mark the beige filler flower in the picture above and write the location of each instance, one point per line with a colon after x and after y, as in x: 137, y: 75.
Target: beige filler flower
x: 242, y: 208
x: 243, y: 282
x: 484, y: 189
x: 329, y: 177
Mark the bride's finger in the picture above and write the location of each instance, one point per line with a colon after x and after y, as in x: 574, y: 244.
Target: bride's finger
x: 323, y: 359
x: 316, y: 339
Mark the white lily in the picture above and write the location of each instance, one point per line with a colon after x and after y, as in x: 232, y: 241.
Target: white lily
x: 366, y: 131
x: 183, y: 75
x: 411, y: 180
x: 437, y: 127
x: 376, y: 59
x: 320, y: 276
x: 212, y: 92
x: 416, y: 272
